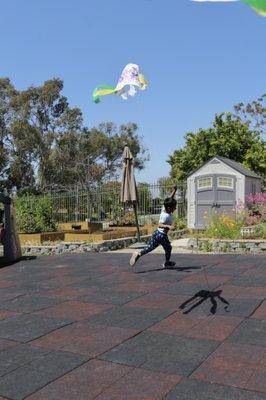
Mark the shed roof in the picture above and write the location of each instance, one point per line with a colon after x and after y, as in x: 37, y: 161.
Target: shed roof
x: 238, y: 167
x: 233, y: 164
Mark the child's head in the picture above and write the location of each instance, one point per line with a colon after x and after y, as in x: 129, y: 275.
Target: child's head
x: 169, y: 204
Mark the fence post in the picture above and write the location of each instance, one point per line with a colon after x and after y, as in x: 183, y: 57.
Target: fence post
x: 76, y: 205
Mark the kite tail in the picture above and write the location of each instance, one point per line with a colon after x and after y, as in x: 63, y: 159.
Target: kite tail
x: 143, y: 82
x: 102, y: 90
x: 258, y: 5
x: 260, y: 12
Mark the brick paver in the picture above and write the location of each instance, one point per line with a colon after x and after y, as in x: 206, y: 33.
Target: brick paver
x: 88, y: 326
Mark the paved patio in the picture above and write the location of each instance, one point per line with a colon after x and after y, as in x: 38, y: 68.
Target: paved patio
x: 86, y: 326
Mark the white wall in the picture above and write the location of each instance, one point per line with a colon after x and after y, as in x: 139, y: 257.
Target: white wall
x: 219, y: 168
x: 190, y: 203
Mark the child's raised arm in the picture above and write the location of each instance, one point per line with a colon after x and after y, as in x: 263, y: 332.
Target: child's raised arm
x: 174, y: 191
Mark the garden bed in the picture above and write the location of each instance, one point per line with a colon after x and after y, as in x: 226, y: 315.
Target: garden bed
x: 81, y: 235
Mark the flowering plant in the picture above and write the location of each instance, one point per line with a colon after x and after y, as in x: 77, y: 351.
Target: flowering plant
x: 256, y: 206
x: 224, y: 226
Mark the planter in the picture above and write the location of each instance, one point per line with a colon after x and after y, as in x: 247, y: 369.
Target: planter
x: 41, y: 237
x: 84, y: 225
x: 79, y: 235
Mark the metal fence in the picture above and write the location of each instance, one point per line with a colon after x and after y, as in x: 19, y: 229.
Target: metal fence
x: 104, y: 203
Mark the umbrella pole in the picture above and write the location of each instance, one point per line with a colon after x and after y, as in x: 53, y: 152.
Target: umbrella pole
x: 136, y: 218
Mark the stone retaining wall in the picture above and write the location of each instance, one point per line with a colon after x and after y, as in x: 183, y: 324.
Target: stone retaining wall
x: 74, y: 247
x: 199, y: 244
x: 226, y: 245
x: 178, y: 234
x: 104, y: 245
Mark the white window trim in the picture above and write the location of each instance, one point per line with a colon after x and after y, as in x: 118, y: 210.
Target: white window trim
x: 205, y: 187
x: 225, y: 186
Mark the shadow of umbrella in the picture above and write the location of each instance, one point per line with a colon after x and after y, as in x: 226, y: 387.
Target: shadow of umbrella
x: 129, y: 192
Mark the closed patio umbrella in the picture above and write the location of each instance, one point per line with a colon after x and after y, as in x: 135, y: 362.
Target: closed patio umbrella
x: 129, y: 192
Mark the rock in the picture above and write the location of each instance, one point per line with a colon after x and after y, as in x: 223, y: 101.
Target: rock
x: 234, y: 245
x: 250, y: 245
x: 255, y: 250
x: 192, y: 242
x: 73, y: 246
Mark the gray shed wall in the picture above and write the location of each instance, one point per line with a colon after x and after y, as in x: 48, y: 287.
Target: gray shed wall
x: 252, y: 186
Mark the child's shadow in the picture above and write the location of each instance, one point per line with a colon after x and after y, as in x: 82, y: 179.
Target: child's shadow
x: 180, y: 269
x: 202, y: 296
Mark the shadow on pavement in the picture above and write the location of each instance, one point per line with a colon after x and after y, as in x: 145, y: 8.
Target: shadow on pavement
x: 178, y: 269
x: 4, y: 263
x: 202, y: 296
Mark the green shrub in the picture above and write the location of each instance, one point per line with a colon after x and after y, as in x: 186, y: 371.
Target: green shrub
x: 117, y: 212
x: 44, y: 215
x: 207, y: 246
x: 128, y: 219
x: 223, y: 226
x: 179, y: 222
x: 259, y: 231
x: 34, y: 214
x: 224, y: 248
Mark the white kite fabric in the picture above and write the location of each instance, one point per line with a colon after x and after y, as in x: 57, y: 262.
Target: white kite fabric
x: 129, y: 82
x: 257, y: 5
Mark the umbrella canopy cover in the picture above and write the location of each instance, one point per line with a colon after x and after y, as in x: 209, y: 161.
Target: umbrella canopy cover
x: 128, y: 188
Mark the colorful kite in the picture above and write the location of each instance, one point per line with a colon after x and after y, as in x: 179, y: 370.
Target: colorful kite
x: 129, y: 82
x: 258, y: 5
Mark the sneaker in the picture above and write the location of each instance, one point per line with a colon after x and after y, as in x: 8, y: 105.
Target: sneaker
x: 134, y: 259
x: 169, y: 264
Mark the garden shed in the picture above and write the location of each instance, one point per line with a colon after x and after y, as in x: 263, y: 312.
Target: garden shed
x: 218, y: 186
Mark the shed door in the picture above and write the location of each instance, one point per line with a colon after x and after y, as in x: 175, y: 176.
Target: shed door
x: 214, y: 193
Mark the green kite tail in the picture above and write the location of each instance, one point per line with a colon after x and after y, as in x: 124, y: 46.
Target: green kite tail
x: 102, y: 90
x: 258, y: 5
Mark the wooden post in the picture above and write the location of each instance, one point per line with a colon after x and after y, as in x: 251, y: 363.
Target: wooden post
x: 12, y: 250
x: 7, y: 239
x: 136, y: 218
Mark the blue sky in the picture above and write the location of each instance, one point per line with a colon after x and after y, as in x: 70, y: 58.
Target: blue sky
x: 199, y: 59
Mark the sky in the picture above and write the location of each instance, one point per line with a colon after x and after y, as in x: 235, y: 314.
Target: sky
x: 199, y: 59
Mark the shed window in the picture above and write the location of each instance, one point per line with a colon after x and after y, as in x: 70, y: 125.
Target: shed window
x: 225, y: 182
x: 205, y: 183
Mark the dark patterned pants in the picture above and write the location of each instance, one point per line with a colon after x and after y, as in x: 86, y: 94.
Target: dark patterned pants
x: 157, y: 239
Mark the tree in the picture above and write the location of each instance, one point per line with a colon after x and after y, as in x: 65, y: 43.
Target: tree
x: 228, y: 137
x: 30, y: 121
x: 254, y: 113
x: 7, y: 91
x: 93, y: 157
x: 166, y: 184
x: 45, y: 147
